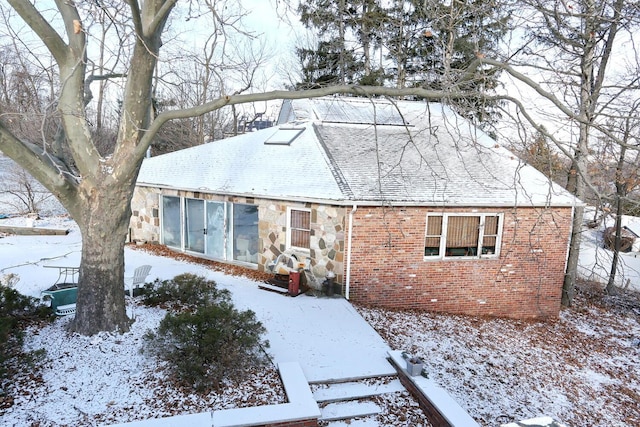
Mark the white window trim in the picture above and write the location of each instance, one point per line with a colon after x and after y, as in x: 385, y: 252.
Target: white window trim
x: 443, y: 236
x: 288, y: 238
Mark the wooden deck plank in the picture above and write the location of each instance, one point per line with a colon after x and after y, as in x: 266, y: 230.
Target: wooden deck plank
x: 33, y: 231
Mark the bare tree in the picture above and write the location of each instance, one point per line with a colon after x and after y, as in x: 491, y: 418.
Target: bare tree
x: 571, y: 46
x: 27, y: 194
x: 96, y: 187
x: 626, y: 179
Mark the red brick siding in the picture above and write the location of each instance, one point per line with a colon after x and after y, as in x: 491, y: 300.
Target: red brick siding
x: 388, y: 268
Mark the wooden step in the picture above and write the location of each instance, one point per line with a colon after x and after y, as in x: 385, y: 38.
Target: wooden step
x: 362, y: 422
x: 355, y: 390
x: 273, y: 288
x: 350, y: 409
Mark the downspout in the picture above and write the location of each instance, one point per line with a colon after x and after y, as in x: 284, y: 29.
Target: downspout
x: 347, y: 279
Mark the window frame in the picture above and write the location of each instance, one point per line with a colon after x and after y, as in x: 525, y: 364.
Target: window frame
x: 442, y: 249
x: 290, y: 228
x: 180, y: 239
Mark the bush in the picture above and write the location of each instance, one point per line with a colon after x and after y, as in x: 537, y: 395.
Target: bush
x: 16, y: 312
x: 211, y: 343
x: 184, y: 292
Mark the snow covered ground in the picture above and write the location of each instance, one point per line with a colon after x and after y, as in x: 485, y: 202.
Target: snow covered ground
x: 582, y: 369
x: 106, y: 379
x: 595, y: 260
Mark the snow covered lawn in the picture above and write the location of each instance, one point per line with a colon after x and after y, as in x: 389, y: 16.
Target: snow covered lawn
x: 105, y: 379
x: 583, y: 369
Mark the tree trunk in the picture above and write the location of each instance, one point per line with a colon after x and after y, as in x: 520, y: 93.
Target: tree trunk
x: 342, y: 37
x: 621, y: 192
x: 568, y: 287
x: 366, y: 40
x: 580, y: 164
x: 611, y: 287
x: 589, y: 90
x: 103, y: 224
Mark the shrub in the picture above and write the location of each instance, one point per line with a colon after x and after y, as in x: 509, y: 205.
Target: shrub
x: 16, y: 312
x: 208, y: 344
x: 183, y: 292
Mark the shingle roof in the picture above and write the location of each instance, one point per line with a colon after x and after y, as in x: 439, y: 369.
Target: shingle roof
x: 421, y: 154
x: 245, y: 165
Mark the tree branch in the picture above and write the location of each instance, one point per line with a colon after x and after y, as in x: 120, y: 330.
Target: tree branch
x: 532, y: 84
x: 88, y: 95
x: 284, y: 94
x: 73, y: 26
x: 41, y: 27
x: 39, y: 164
x: 161, y: 16
x: 135, y: 16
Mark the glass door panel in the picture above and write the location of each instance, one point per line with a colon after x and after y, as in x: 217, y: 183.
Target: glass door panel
x: 194, y: 225
x: 245, y: 233
x: 171, y: 235
x: 216, y: 230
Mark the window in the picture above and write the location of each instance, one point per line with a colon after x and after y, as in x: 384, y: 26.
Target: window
x: 245, y: 233
x: 219, y: 230
x: 299, y: 230
x: 462, y: 235
x: 171, y: 230
x: 284, y: 136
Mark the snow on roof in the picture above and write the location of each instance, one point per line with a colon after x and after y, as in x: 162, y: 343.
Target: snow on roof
x: 357, y: 150
x: 633, y: 227
x: 245, y: 165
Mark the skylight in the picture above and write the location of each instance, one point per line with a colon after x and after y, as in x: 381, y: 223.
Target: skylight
x: 284, y: 136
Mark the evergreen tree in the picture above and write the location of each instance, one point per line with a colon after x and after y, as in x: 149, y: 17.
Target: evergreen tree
x: 432, y: 42
x: 349, y: 34
x: 406, y: 43
x: 322, y: 66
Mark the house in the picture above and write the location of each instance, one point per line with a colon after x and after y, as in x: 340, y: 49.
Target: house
x: 629, y: 237
x: 634, y: 229
x: 406, y: 203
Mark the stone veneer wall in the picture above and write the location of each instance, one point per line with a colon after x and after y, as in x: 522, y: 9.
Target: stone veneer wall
x: 327, y: 236
x: 145, y: 215
x: 327, y: 246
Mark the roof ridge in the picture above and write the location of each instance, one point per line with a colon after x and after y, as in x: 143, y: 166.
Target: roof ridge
x: 333, y: 165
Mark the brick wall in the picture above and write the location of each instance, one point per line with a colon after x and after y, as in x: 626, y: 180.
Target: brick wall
x: 389, y: 270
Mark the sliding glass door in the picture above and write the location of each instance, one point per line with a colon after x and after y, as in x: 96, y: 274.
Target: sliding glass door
x: 217, y: 231
x: 171, y: 230
x: 194, y: 225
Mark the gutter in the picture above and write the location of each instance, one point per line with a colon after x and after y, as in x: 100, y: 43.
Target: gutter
x: 347, y: 279
x: 365, y: 202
